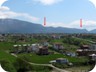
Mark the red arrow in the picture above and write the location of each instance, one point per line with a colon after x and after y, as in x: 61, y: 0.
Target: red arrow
x: 80, y: 22
x: 44, y: 21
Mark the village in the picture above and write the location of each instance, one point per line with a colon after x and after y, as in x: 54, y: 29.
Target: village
x: 61, y: 50
x: 42, y: 49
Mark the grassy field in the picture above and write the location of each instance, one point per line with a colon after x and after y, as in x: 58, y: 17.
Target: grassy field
x: 45, y: 59
x: 6, y: 45
x: 9, y: 60
x: 7, y: 56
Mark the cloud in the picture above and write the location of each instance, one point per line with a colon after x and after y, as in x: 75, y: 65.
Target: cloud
x: 2, y: 1
x: 93, y: 2
x: 48, y: 2
x: 5, y: 12
x: 87, y: 24
x: 29, y: 16
x: 4, y: 8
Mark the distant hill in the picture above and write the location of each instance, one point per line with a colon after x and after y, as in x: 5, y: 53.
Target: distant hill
x: 93, y: 31
x: 18, y: 26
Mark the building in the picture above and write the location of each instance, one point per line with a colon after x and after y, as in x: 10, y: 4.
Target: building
x: 92, y: 47
x: 25, y: 47
x: 58, y: 46
x: 84, y: 47
x: 92, y: 57
x: 54, y: 36
x: 39, y: 49
x: 35, y: 48
x: 86, y: 50
x: 43, y: 50
x: 17, y: 48
x: 21, y: 48
x: 45, y: 43
x: 72, y: 54
x: 2, y: 38
x: 62, y: 60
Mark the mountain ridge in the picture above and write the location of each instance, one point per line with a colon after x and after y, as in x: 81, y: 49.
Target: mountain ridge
x: 20, y: 26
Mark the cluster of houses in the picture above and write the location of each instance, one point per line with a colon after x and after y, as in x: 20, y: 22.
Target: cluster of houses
x: 23, y: 37
x: 41, y: 49
x: 38, y: 48
x: 2, y: 38
x: 87, y: 50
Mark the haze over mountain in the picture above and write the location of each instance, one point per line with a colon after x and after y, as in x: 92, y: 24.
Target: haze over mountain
x: 18, y: 26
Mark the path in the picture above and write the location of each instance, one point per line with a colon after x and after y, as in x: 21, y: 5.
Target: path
x: 50, y: 65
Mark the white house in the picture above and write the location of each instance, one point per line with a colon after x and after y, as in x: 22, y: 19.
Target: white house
x: 92, y: 56
x: 35, y: 47
x: 58, y: 46
x: 92, y: 47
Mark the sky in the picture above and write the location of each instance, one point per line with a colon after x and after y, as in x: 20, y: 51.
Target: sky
x: 58, y: 13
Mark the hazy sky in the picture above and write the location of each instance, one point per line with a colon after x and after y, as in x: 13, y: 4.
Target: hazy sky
x: 64, y: 13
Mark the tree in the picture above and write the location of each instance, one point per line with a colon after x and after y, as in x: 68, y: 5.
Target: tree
x: 22, y: 66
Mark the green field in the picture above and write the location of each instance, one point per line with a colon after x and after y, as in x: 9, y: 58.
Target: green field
x: 7, y: 56
x: 6, y: 45
x: 9, y: 62
x: 45, y: 59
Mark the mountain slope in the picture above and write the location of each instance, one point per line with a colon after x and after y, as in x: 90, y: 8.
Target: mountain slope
x: 93, y: 31
x: 18, y: 26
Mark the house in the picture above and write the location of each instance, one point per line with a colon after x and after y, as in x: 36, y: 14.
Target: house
x: 92, y: 57
x: 62, y: 60
x: 21, y: 48
x: 86, y: 50
x: 43, y: 50
x: 52, y: 61
x: 2, y: 38
x: 56, y: 36
x: 39, y: 49
x: 72, y: 54
x: 92, y: 47
x: 84, y: 47
x: 58, y: 46
x: 17, y: 48
x: 24, y: 48
x: 35, y: 48
x: 83, y: 50
x: 45, y: 43
x: 29, y: 49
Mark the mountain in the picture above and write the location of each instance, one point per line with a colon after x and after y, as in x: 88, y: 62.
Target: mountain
x: 18, y: 26
x: 93, y: 31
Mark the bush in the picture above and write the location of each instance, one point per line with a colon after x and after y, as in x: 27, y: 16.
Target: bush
x: 22, y: 66
x: 62, y: 66
x: 7, y: 65
x: 75, y: 41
